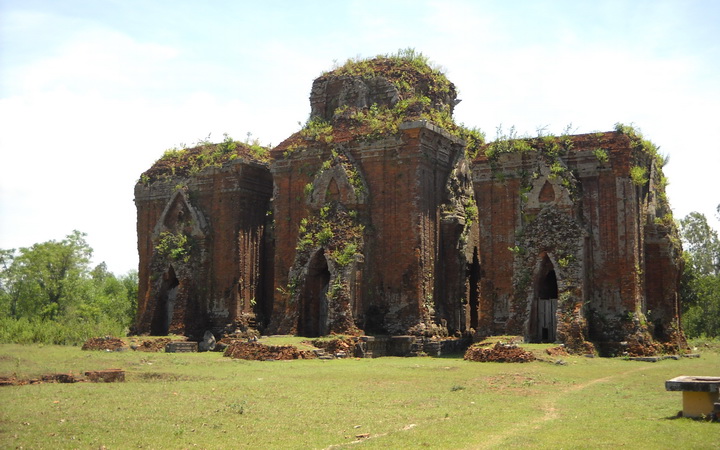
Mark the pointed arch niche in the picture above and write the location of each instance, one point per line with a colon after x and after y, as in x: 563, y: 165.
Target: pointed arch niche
x: 334, y: 184
x: 548, y: 190
x: 180, y: 215
x: 173, y: 305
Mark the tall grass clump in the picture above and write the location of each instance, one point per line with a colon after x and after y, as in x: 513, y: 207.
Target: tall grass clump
x: 69, y: 332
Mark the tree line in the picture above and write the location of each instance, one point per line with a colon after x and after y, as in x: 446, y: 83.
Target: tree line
x: 700, y: 284
x: 50, y: 293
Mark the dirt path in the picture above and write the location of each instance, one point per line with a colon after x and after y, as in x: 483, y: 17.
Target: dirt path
x: 550, y: 409
x: 551, y: 412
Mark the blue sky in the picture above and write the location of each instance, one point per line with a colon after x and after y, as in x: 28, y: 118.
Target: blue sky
x: 93, y: 92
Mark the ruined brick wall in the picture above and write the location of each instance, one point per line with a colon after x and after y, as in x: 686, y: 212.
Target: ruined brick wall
x: 220, y: 213
x: 408, y: 186
x: 573, y: 214
x: 663, y: 266
x: 370, y: 228
x: 372, y: 219
x: 403, y: 183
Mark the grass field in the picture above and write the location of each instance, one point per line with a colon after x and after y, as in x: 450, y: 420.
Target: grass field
x: 203, y: 400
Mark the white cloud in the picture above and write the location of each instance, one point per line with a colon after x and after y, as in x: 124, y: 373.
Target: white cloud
x: 84, y: 116
x: 95, y: 60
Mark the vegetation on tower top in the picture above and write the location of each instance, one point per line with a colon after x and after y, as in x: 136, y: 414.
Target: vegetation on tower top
x: 184, y: 162
x: 409, y: 71
x: 420, y: 91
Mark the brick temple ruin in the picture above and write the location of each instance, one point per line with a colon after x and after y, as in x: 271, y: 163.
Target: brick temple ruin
x: 383, y: 217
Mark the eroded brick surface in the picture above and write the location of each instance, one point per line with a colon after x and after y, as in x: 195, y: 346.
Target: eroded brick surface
x: 217, y: 279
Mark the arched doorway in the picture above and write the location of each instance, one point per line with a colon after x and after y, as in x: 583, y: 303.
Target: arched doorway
x: 314, y: 305
x: 543, y: 320
x: 166, y: 304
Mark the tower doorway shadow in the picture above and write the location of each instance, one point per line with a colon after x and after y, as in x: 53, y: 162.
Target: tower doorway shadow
x: 313, y: 320
x: 543, y: 319
x: 165, y: 305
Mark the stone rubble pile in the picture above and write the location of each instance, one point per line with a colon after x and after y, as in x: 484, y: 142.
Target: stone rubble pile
x: 498, y: 353
x: 103, y: 343
x: 260, y: 352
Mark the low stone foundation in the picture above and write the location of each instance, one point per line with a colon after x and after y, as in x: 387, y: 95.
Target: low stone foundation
x: 377, y: 346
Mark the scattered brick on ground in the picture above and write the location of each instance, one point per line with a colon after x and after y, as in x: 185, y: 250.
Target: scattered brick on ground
x: 153, y: 345
x: 333, y: 346
x: 60, y: 378
x: 557, y: 351
x: 107, y: 375
x: 260, y: 352
x: 103, y: 343
x: 50, y: 378
x: 14, y: 381
x: 498, y: 353
x: 114, y: 344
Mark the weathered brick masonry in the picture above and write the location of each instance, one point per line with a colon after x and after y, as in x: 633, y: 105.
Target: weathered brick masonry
x: 602, y: 243
x: 355, y: 225
x: 220, y: 278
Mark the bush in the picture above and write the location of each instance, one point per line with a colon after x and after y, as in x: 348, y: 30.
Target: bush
x: 638, y: 175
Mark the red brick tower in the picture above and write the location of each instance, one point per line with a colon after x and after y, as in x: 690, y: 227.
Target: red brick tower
x: 370, y: 205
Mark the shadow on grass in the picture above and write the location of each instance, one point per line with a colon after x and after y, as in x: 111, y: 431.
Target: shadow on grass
x: 164, y: 376
x: 694, y: 419
x: 450, y: 356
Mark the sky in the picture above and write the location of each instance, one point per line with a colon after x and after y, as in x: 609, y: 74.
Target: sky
x: 93, y: 91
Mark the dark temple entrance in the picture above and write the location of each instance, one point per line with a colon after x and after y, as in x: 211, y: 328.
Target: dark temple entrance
x: 165, y: 305
x: 314, y: 305
x: 473, y: 281
x: 543, y: 318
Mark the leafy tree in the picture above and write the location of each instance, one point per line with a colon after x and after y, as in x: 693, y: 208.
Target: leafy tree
x: 44, y: 280
x: 106, y: 296
x: 700, y: 284
x: 52, y: 281
x: 701, y: 243
x: 702, y: 317
x: 8, y: 294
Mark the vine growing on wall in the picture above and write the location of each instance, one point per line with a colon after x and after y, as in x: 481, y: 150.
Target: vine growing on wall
x: 638, y: 175
x: 643, y: 172
x: 334, y: 228
x: 174, y: 246
x: 337, y: 232
x: 601, y: 155
x: 551, y: 147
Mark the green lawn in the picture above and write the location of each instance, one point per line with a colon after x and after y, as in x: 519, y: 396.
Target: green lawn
x: 204, y: 400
